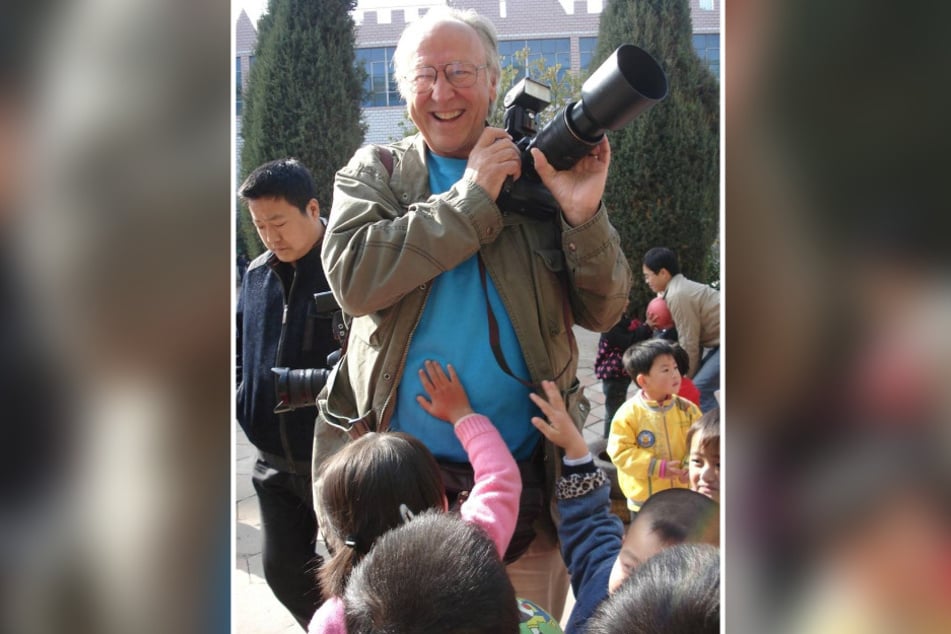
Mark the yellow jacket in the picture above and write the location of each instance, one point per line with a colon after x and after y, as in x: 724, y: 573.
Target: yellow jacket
x: 643, y: 433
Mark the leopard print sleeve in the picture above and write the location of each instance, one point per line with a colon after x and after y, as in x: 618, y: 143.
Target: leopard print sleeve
x: 577, y: 485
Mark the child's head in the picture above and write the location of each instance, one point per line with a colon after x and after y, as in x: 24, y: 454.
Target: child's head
x: 681, y: 357
x: 436, y: 573
x: 659, y: 313
x: 652, y: 366
x: 659, y: 266
x: 703, y: 440
x: 668, y: 517
x: 370, y: 486
x: 676, y: 591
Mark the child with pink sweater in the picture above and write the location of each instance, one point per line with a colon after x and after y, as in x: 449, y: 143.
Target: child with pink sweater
x: 381, y: 480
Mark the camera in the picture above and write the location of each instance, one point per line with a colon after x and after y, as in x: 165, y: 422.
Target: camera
x: 299, y: 388
x: 627, y: 84
x: 328, y: 308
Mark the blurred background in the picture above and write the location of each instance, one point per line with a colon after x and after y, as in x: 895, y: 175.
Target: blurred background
x: 838, y: 300
x: 115, y: 313
x: 115, y: 316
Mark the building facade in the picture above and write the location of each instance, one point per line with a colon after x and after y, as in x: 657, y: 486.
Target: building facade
x: 245, y: 38
x: 559, y: 31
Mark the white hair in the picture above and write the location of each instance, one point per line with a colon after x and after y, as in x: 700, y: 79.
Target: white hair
x: 404, y: 55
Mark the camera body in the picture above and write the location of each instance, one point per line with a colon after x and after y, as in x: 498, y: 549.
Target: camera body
x: 526, y: 196
x: 300, y: 387
x: 627, y: 84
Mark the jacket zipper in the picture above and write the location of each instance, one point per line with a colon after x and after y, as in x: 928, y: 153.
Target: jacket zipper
x: 281, y: 418
x: 670, y: 449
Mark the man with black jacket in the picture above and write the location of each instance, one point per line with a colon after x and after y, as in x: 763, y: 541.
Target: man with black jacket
x: 284, y: 342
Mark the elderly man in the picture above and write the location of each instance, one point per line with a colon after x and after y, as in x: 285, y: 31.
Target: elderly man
x: 430, y: 267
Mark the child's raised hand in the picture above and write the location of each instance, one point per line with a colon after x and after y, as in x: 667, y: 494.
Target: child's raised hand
x: 448, y: 400
x: 559, y: 428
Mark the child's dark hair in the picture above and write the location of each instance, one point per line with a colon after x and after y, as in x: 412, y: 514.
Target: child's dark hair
x: 676, y: 590
x: 639, y: 358
x: 285, y: 178
x: 436, y: 573
x: 364, y: 490
x: 662, y: 258
x: 681, y: 515
x: 708, y: 426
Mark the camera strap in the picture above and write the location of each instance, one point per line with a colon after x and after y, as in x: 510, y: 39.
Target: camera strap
x: 494, y: 339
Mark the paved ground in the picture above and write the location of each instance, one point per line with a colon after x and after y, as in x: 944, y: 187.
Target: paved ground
x: 254, y: 608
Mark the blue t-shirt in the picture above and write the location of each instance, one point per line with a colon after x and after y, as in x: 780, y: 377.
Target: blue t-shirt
x: 454, y: 329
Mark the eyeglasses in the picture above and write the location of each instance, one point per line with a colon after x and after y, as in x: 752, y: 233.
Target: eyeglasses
x: 458, y: 74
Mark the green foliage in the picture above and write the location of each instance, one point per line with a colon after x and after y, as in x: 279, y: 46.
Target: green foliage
x: 663, y: 186
x: 303, y: 95
x: 562, y: 92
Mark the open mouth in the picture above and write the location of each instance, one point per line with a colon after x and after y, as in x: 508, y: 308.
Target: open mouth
x: 447, y: 116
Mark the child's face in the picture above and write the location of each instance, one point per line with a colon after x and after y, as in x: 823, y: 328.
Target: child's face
x: 705, y: 467
x: 639, y: 545
x: 663, y: 379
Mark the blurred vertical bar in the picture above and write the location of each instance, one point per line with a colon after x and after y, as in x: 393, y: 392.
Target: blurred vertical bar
x: 115, y: 313
x: 838, y: 299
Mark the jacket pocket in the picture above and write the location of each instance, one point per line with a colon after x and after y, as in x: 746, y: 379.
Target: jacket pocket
x: 553, y: 259
x: 549, y: 288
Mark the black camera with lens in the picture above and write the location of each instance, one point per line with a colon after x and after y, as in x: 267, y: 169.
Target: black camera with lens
x: 299, y: 388
x: 627, y: 84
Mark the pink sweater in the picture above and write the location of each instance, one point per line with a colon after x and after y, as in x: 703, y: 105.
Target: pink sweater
x: 492, y: 503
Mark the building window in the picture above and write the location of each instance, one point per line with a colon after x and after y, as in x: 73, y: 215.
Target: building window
x: 237, y: 85
x: 707, y: 46
x: 586, y: 46
x: 706, y: 5
x: 379, y: 87
x: 550, y: 51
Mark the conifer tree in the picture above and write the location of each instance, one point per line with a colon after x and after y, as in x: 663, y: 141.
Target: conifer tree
x: 303, y: 96
x: 663, y: 185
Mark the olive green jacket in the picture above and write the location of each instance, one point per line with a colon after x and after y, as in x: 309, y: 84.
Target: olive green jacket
x: 388, y: 237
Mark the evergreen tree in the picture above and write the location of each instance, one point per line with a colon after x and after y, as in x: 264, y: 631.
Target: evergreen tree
x: 663, y: 185
x: 303, y: 96
x: 563, y: 90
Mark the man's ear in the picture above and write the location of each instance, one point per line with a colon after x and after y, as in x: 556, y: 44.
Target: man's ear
x: 640, y: 379
x: 493, y: 85
x: 313, y: 208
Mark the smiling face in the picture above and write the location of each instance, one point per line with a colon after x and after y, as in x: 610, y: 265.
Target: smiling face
x: 452, y: 119
x: 283, y: 229
x: 705, y: 466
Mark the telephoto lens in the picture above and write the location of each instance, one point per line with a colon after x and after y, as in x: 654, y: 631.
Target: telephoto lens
x: 297, y: 388
x: 628, y: 83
